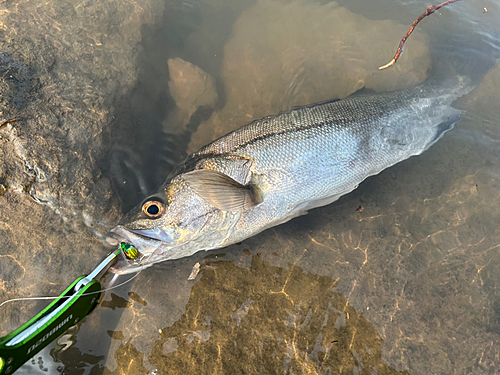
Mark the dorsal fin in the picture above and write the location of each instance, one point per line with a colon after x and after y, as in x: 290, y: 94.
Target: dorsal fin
x: 221, y: 191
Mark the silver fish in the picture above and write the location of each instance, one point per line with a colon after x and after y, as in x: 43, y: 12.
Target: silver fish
x: 279, y: 167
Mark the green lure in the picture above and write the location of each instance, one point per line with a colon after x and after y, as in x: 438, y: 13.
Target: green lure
x: 130, y: 251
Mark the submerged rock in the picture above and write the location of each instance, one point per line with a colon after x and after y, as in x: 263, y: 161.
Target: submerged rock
x: 298, y: 53
x: 261, y: 319
x: 191, y: 88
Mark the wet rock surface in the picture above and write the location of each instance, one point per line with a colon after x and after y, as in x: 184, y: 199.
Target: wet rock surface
x: 62, y: 66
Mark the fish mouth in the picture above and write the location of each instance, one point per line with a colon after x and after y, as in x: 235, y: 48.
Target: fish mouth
x: 145, y: 245
x: 142, y: 239
x: 153, y: 234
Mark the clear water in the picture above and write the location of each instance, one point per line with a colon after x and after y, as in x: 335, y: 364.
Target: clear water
x: 409, y: 284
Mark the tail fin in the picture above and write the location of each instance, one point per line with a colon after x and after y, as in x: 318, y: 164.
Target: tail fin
x: 445, y: 91
x: 442, y: 128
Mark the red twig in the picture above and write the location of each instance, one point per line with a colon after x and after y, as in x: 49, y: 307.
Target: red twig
x: 429, y: 11
x: 8, y: 122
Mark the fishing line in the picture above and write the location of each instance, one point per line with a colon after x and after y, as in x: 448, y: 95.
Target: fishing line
x: 84, y: 294
x: 61, y: 297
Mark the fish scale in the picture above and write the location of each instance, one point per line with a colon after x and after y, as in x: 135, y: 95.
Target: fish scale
x: 295, y: 161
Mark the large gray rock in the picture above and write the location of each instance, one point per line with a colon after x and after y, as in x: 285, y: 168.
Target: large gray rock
x: 62, y: 67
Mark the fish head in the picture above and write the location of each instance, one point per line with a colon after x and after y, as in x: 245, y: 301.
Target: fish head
x: 172, y: 223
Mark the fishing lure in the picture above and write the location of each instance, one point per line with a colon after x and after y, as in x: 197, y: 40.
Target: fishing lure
x: 130, y: 251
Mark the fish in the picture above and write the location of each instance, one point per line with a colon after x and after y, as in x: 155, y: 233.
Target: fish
x: 279, y: 167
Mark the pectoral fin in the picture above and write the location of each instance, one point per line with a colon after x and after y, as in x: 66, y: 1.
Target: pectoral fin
x: 222, y: 191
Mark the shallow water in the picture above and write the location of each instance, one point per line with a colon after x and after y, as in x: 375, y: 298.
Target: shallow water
x: 410, y: 284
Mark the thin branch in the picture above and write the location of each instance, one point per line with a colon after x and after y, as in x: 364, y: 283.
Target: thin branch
x: 429, y: 11
x: 8, y: 122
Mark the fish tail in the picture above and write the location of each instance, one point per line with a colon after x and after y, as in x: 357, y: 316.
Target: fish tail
x: 446, y: 92
x: 442, y: 128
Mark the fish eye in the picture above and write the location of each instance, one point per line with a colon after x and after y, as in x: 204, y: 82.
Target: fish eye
x: 153, y: 208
